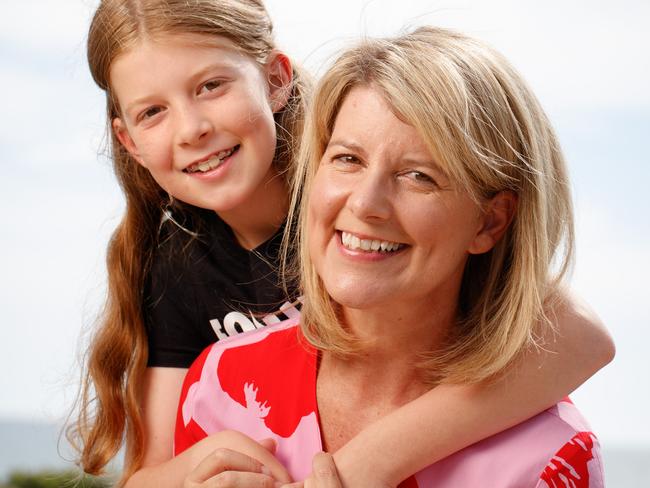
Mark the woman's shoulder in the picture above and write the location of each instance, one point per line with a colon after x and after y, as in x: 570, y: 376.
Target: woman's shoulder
x: 555, y: 445
x: 577, y: 461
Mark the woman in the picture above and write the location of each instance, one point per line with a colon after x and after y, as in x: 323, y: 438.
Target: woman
x: 438, y: 201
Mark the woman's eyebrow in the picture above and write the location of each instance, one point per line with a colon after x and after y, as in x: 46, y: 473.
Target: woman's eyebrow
x: 426, y: 161
x: 347, y: 145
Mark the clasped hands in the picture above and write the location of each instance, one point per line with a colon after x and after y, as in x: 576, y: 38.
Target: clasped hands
x: 239, y: 461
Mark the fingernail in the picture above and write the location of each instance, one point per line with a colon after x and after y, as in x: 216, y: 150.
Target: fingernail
x: 266, y: 470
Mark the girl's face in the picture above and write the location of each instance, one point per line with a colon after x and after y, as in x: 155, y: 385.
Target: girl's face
x: 385, y: 225
x: 199, y: 117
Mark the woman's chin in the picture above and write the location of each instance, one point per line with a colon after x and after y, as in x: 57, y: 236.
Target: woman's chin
x: 358, y: 299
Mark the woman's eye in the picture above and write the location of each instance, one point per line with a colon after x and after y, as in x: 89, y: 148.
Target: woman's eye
x: 420, y: 177
x: 346, y: 159
x: 211, y: 86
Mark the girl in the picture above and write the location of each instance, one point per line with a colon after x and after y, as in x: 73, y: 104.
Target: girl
x: 205, y: 115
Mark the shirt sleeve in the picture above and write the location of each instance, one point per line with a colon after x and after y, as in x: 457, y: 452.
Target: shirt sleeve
x: 577, y: 463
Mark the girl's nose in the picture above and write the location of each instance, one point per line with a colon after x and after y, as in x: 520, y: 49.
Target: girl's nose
x: 193, y: 126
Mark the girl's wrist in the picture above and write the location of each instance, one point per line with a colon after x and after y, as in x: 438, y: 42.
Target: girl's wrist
x: 356, y: 469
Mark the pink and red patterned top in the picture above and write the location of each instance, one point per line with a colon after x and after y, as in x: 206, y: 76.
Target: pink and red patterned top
x: 263, y: 384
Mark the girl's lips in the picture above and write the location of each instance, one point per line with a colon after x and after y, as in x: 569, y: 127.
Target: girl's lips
x: 216, y: 172
x: 211, y: 162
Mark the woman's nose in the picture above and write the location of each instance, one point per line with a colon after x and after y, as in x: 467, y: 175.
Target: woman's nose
x: 370, y: 197
x: 193, y: 126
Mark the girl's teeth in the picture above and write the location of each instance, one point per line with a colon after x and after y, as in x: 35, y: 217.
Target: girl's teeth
x: 354, y: 243
x: 211, y: 163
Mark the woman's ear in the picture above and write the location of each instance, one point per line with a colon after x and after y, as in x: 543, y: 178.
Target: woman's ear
x: 125, y: 139
x: 279, y: 73
x: 497, y: 216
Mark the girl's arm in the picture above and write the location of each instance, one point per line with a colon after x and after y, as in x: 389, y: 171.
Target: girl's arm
x: 161, y: 392
x: 451, y: 417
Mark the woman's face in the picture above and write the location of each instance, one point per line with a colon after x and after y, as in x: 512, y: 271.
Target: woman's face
x: 385, y: 225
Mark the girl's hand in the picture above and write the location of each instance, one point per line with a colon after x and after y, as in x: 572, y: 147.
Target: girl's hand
x: 226, y: 467
x: 323, y: 474
x: 238, y: 461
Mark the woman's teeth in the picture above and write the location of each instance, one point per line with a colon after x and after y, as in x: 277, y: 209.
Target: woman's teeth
x: 211, y: 163
x: 353, y: 243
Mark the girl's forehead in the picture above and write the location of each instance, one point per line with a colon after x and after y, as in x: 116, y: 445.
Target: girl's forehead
x: 162, y: 51
x: 187, y: 40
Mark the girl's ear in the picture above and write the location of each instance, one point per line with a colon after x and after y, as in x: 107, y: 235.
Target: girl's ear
x: 125, y: 139
x: 497, y: 216
x: 279, y: 73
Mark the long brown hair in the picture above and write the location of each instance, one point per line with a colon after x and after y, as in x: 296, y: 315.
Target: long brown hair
x: 109, y: 412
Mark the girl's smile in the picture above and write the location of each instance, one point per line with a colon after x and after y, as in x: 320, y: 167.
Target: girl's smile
x: 211, y: 162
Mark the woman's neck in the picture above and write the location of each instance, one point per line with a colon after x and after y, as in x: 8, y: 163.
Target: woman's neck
x: 402, y: 330
x: 254, y: 221
x: 355, y: 391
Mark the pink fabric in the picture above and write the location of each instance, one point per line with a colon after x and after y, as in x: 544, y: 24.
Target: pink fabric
x: 263, y: 384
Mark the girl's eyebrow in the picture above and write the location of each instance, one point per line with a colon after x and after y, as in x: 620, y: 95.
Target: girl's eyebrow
x: 214, y: 67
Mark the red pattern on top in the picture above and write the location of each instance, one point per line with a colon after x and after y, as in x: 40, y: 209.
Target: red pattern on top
x: 187, y: 436
x: 569, y: 465
x: 240, y: 365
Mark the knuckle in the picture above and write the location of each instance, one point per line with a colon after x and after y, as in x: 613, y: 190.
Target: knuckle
x: 221, y: 455
x: 266, y: 482
x: 228, y: 478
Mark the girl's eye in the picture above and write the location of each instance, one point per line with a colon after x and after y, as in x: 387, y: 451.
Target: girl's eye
x: 150, y: 112
x: 210, y: 86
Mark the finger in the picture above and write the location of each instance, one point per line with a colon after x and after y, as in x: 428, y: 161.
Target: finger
x: 323, y: 472
x: 248, y: 446
x: 297, y: 484
x: 223, y: 460
x: 269, y: 444
x: 237, y: 479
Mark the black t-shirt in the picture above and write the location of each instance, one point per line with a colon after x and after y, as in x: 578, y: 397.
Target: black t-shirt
x: 204, y: 289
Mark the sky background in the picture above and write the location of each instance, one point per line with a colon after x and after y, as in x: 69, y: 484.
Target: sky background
x: 60, y: 201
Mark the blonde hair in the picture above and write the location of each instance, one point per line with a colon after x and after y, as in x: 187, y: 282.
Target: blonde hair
x: 109, y: 412
x: 488, y: 132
